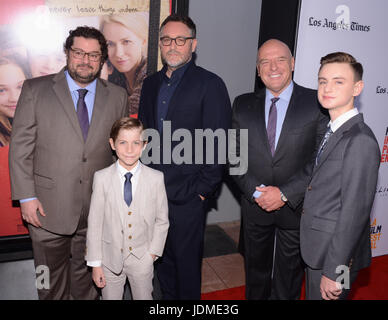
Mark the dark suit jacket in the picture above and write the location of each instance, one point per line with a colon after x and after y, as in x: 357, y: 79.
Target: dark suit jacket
x: 200, y: 101
x: 335, y: 223
x: 302, y: 131
x: 48, y: 157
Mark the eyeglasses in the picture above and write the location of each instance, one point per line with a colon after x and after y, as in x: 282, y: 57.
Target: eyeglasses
x: 79, y: 54
x: 179, y: 41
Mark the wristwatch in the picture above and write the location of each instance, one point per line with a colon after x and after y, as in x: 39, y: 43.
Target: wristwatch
x: 283, y: 197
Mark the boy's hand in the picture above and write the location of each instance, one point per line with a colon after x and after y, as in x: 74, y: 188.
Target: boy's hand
x: 29, y: 210
x: 98, y: 277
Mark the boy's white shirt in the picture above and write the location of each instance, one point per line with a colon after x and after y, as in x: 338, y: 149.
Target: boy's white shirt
x: 121, y: 171
x: 337, y: 123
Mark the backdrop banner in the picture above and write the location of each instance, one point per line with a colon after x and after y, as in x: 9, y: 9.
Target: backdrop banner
x: 32, y: 33
x: 357, y: 27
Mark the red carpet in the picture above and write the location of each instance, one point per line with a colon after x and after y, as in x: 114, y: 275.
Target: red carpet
x: 371, y: 284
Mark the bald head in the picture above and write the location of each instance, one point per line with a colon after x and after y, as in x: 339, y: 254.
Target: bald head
x: 275, y: 64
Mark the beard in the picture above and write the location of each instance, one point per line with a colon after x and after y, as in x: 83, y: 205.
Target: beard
x: 177, y: 61
x: 84, y: 77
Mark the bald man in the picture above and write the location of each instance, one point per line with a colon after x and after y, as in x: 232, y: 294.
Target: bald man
x: 285, y: 126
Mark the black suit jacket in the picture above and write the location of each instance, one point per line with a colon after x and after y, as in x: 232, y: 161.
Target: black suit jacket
x: 200, y: 101
x: 303, y: 128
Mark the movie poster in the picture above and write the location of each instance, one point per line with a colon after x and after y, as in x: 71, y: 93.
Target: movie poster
x: 32, y: 33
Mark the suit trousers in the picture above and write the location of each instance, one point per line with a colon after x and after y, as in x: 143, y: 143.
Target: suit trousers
x: 179, y: 269
x: 274, y: 268
x: 313, y: 283
x: 64, y: 255
x: 139, y: 272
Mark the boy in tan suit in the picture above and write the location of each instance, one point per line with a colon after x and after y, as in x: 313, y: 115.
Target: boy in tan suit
x: 128, y: 217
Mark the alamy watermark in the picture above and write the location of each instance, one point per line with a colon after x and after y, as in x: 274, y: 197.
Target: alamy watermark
x: 209, y: 147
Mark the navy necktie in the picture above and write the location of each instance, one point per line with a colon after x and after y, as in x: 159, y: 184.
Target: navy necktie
x: 328, y: 133
x: 82, y: 113
x: 271, y: 126
x: 128, y: 188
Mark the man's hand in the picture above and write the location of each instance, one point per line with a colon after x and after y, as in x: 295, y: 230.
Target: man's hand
x: 98, y: 277
x: 29, y: 210
x: 269, y: 199
x: 330, y: 289
x: 202, y: 197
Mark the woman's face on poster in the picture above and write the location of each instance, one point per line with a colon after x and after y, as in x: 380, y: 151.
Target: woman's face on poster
x: 11, y: 81
x: 46, y: 63
x: 125, y: 48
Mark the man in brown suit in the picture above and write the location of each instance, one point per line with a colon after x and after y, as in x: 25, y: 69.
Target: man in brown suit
x: 59, y: 139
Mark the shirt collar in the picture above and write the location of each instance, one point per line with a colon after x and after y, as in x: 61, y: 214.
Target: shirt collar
x: 334, y: 125
x: 123, y: 171
x: 74, y: 87
x: 284, y: 95
x: 176, y: 74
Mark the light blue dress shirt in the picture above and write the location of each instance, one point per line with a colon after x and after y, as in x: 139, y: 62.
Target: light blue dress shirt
x: 89, y: 100
x: 281, y: 107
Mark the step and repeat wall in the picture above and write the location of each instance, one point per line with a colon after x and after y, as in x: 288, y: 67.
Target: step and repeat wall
x: 360, y: 28
x: 32, y: 33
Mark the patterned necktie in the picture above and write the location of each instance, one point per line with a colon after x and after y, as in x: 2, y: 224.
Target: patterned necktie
x: 128, y: 188
x: 328, y: 133
x: 271, y: 126
x: 82, y: 112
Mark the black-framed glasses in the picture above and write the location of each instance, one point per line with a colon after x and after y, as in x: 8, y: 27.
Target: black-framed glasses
x: 179, y: 41
x: 79, y: 54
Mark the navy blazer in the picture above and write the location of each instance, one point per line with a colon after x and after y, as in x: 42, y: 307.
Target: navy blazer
x: 200, y: 101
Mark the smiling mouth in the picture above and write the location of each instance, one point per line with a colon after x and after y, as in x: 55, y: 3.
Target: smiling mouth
x: 274, y: 76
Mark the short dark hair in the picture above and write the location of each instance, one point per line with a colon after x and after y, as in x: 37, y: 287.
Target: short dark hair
x: 343, y: 57
x: 88, y: 33
x: 186, y: 20
x: 125, y: 123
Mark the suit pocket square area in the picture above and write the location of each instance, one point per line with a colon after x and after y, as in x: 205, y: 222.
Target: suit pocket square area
x: 43, y: 182
x: 323, y: 224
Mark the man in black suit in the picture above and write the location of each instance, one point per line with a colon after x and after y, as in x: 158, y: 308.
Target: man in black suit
x: 285, y: 125
x: 184, y: 96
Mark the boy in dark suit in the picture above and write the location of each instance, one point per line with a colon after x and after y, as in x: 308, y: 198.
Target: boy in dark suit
x: 335, y: 241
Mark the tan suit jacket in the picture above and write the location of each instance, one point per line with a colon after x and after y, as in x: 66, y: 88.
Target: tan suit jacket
x: 106, y: 229
x: 48, y: 156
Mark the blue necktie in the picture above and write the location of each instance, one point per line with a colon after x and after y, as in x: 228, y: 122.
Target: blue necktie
x: 328, y: 133
x: 271, y: 126
x: 82, y: 113
x: 128, y: 188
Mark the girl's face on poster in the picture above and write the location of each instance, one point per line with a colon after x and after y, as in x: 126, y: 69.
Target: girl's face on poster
x: 11, y: 81
x: 125, y: 48
x: 42, y: 64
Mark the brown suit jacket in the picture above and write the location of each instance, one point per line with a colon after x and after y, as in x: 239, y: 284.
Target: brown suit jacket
x: 48, y: 156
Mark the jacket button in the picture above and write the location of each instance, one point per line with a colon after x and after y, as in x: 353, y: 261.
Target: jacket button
x: 130, y: 248
x: 84, y: 160
x: 129, y: 213
x: 130, y: 237
x: 129, y: 226
x: 121, y: 250
x: 309, y: 188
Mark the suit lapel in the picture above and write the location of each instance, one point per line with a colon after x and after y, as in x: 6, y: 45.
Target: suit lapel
x: 335, y: 138
x: 62, y: 91
x: 101, y: 101
x: 117, y: 193
x: 259, y: 121
x: 291, y: 118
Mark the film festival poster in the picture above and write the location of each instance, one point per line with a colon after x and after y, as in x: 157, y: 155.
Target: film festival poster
x: 32, y: 33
